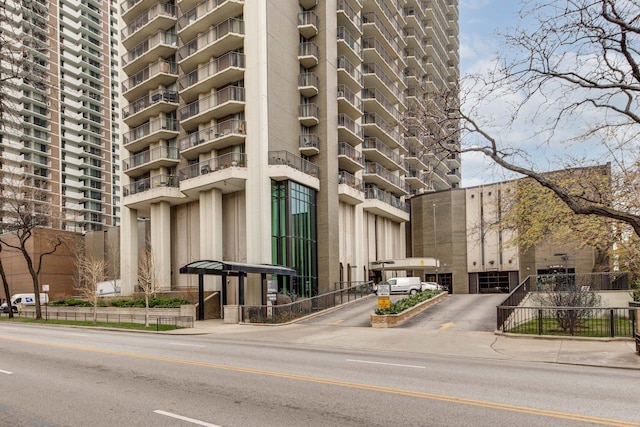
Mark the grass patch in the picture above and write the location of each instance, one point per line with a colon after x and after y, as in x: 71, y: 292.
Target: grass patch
x: 593, y: 328
x: 124, y: 325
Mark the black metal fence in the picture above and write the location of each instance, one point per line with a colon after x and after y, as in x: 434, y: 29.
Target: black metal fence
x: 570, y: 321
x: 158, y: 320
x: 551, y: 282
x: 287, y: 312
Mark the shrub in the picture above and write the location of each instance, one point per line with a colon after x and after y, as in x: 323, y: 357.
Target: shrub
x: 406, y: 303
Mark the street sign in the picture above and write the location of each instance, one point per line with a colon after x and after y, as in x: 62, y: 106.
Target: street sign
x: 384, y: 302
x: 384, y: 289
x: 45, y: 288
x: 272, y: 297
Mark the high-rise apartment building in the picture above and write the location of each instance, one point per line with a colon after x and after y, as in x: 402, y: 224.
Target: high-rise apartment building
x: 279, y: 132
x: 60, y: 93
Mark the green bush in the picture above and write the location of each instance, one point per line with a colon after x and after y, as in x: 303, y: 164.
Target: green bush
x: 406, y: 303
x: 160, y: 302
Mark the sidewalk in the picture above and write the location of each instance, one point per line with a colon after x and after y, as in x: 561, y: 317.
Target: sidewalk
x: 565, y: 350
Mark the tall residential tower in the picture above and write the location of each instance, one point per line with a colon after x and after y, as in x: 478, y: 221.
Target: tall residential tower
x: 60, y: 119
x: 279, y: 132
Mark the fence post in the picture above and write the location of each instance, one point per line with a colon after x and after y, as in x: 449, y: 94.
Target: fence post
x: 539, y: 321
x: 613, y: 326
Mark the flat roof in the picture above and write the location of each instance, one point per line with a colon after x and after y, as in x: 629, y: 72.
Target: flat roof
x: 232, y: 268
x: 404, y: 264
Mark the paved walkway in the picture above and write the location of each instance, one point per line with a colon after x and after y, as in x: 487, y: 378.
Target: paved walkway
x: 617, y: 353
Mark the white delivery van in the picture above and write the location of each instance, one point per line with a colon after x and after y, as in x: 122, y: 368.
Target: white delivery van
x: 24, y: 299
x: 404, y: 285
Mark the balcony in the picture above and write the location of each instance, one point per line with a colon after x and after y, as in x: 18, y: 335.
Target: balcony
x: 308, y: 84
x: 308, y: 4
x: 308, y: 24
x: 374, y: 27
x: 227, y: 101
x: 132, y: 8
x: 155, y: 103
x: 375, y: 77
x: 201, y: 17
x: 416, y: 180
x: 224, y: 37
x: 349, y: 18
x: 348, y: 102
x: 348, y: 130
x: 160, y: 73
x: 375, y: 173
x: 349, y: 74
x: 350, y: 188
x: 287, y: 166
x: 349, y: 159
x: 374, y: 125
x: 374, y: 101
x: 217, y: 72
x: 227, y: 173
x: 376, y: 151
x: 374, y: 53
x: 152, y: 131
x: 349, y: 46
x: 143, y: 192
x: 453, y: 160
x: 309, y: 114
x: 160, y: 45
x: 309, y: 144
x: 163, y: 16
x: 148, y: 160
x: 225, y: 134
x: 416, y: 160
x: 385, y: 204
x: 308, y: 54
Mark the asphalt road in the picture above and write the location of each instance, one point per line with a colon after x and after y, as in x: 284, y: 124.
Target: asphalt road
x: 455, y: 313
x: 56, y: 376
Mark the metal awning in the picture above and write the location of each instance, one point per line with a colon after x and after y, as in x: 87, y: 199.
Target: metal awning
x: 231, y: 268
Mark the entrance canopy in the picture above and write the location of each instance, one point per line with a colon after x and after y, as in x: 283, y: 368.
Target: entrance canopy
x: 404, y: 264
x: 230, y: 268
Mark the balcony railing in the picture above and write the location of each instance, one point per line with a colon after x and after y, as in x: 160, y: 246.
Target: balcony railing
x: 372, y: 168
x: 371, y: 143
x: 351, y: 180
x: 150, y: 127
x: 160, y: 38
x: 350, y: 40
x: 352, y: 70
x: 146, y: 184
x: 343, y: 6
x: 158, y: 67
x: 213, y: 67
x: 159, y: 9
x: 373, y: 192
x: 230, y: 93
x: 231, y: 25
x: 345, y: 149
x: 298, y: 163
x: 170, y: 96
x: 205, y: 167
x: 233, y: 126
x: 149, y: 156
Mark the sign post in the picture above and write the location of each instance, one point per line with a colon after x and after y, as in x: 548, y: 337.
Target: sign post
x: 45, y: 289
x: 384, y: 292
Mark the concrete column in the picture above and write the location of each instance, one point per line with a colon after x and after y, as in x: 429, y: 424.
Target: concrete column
x: 128, y: 250
x: 360, y: 256
x: 211, y: 225
x: 161, y: 243
x: 258, y: 186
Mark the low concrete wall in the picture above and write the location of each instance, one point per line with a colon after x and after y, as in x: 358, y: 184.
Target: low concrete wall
x: 53, y: 312
x: 391, y: 320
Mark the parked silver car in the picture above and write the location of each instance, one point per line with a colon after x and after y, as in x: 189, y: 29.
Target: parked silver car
x: 432, y: 286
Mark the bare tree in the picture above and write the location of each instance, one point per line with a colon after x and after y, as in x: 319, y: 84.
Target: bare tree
x: 570, y: 61
x: 5, y: 284
x: 147, y: 278
x: 24, y: 210
x: 92, y: 271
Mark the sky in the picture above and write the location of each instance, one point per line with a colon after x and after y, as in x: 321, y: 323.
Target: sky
x: 479, y: 22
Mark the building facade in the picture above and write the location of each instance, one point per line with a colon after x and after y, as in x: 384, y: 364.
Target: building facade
x: 276, y: 131
x: 461, y: 228
x: 59, y: 134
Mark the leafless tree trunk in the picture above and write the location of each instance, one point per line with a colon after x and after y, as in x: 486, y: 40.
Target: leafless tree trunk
x: 147, y: 278
x: 92, y: 271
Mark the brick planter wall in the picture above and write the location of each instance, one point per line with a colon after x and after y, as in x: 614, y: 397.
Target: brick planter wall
x: 391, y: 320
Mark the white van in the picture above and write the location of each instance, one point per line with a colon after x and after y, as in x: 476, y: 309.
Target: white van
x: 25, y: 299
x: 404, y: 285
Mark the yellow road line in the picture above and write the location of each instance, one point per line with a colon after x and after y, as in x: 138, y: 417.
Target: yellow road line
x: 337, y: 322
x: 446, y: 326
x: 347, y: 384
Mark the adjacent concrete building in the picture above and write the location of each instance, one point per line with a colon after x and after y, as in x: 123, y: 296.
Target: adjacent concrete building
x: 274, y: 131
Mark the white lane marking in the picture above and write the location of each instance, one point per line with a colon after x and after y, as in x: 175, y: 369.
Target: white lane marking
x: 186, y: 345
x: 5, y: 372
x: 180, y: 417
x: 387, y: 364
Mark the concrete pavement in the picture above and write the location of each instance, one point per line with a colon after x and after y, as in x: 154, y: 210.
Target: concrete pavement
x: 611, y: 353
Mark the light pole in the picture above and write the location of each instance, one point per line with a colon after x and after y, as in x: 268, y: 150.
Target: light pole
x: 435, y: 241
